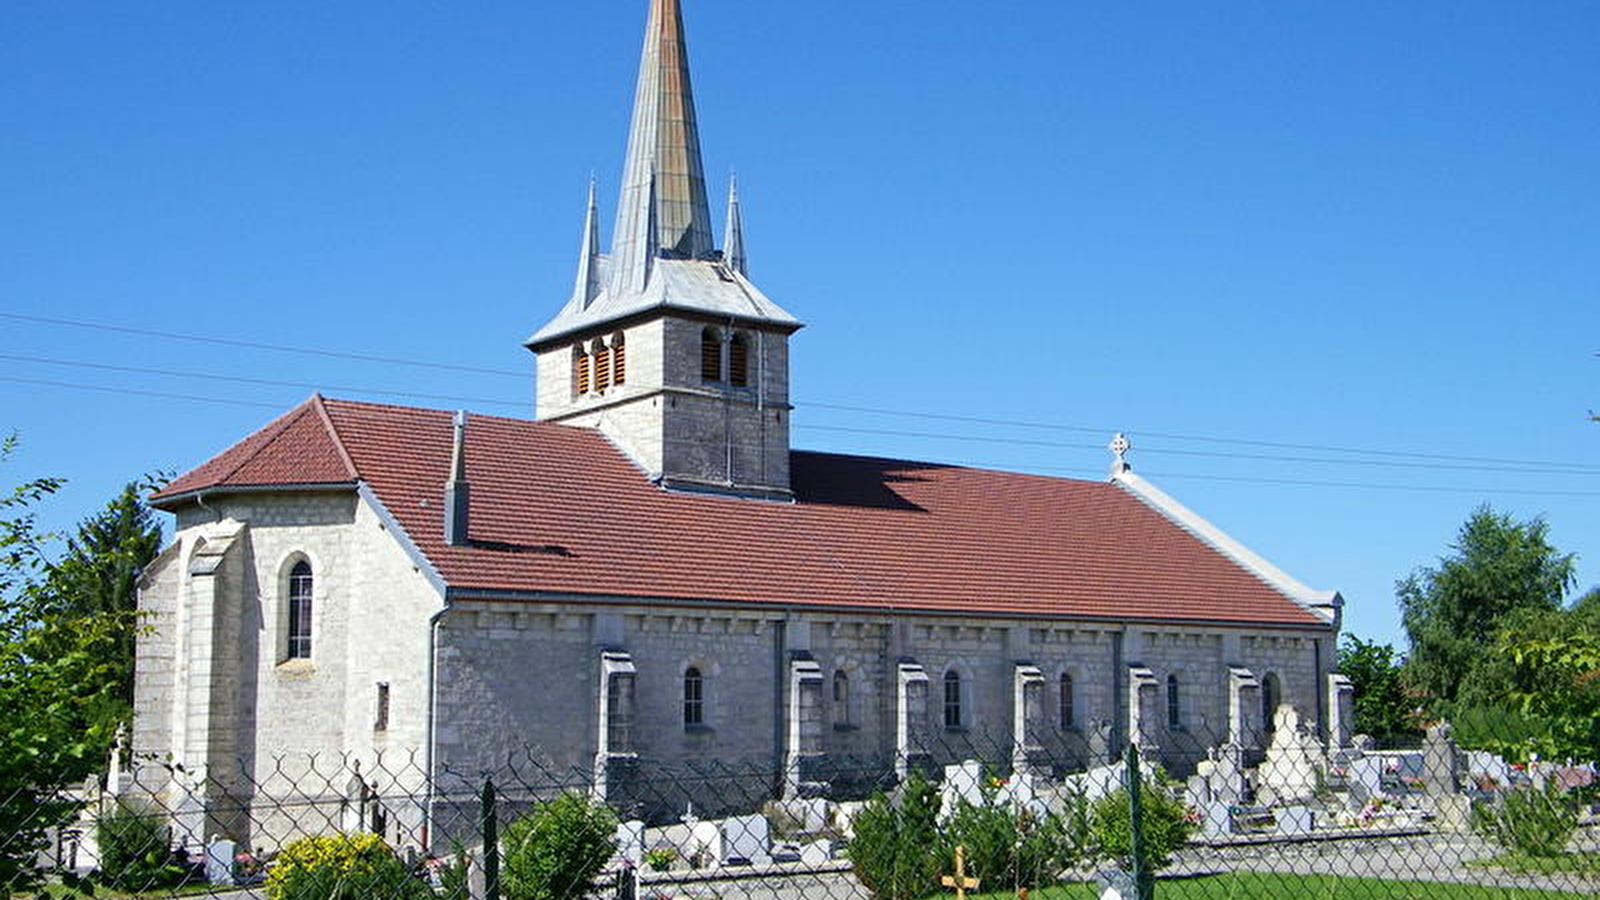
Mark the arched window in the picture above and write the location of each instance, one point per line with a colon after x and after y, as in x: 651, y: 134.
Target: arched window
x: 739, y: 361
x: 952, y: 699
x: 841, y: 698
x: 619, y: 359
x: 694, y: 698
x: 1069, y: 704
x: 1271, y: 697
x: 299, y: 632
x: 602, y: 366
x: 710, y: 355
x: 1174, y: 704
x: 580, y: 371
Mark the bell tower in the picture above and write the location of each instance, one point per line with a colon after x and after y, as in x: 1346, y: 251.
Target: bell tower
x: 666, y: 345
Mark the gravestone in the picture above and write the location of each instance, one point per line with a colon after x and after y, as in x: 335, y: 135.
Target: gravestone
x: 1289, y: 773
x: 745, y: 840
x: 1365, y: 781
x: 1100, y: 744
x: 1441, y: 765
x: 816, y: 852
x: 1296, y: 820
x: 1452, y: 813
x: 189, y: 820
x: 1216, y: 820
x: 963, y: 781
x: 220, y: 855
x: 1115, y: 884
x: 1224, y: 771
x: 1488, y: 770
x: 630, y: 842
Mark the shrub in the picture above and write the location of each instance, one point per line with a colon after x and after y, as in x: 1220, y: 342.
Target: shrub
x: 555, y: 851
x: 136, y: 850
x: 1006, y: 847
x: 1533, y: 822
x: 342, y: 867
x: 893, y: 851
x: 1166, y: 825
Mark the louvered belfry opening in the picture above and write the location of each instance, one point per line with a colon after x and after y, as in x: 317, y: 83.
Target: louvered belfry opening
x: 710, y: 355
x: 739, y: 361
x: 580, y: 371
x: 619, y: 359
x: 602, y: 366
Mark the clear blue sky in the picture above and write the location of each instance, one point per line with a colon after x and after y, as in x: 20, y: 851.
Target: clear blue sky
x: 1358, y: 224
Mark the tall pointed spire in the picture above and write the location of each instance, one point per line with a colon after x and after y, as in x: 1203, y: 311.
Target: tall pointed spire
x: 733, y: 234
x: 663, y: 185
x: 589, y: 283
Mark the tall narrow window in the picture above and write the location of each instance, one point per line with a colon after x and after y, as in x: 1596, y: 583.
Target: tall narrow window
x: 300, y: 585
x: 739, y: 361
x: 380, y: 720
x: 1174, y: 704
x: 619, y: 359
x: 1271, y: 696
x: 841, y: 698
x: 694, y: 698
x: 710, y: 355
x: 952, y: 699
x: 619, y: 712
x: 580, y: 365
x: 602, y: 366
x: 1069, y: 702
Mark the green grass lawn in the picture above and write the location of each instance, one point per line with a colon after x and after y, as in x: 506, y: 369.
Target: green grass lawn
x: 1582, y: 863
x: 1272, y: 886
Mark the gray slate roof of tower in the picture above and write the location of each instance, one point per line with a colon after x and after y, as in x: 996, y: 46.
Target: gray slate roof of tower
x: 662, y: 253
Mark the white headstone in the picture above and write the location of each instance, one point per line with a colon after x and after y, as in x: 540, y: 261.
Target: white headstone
x: 1289, y: 772
x: 1366, y: 779
x: 220, y: 855
x: 1296, y: 820
x: 630, y: 842
x: 1216, y: 819
x: 816, y: 852
x: 705, y: 840
x: 745, y: 839
x: 961, y: 782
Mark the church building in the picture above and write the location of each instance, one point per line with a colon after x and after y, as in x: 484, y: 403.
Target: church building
x: 646, y: 575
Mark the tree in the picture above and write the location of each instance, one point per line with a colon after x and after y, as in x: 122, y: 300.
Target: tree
x: 1451, y: 613
x: 99, y: 572
x: 55, y: 683
x: 1383, y: 709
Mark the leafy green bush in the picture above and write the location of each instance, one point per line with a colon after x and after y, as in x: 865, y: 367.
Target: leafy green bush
x: 555, y: 851
x: 1536, y: 823
x: 893, y: 851
x: 342, y: 867
x: 136, y: 850
x: 1006, y: 847
x: 1166, y: 825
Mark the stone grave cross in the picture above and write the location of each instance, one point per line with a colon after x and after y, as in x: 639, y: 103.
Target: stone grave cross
x: 960, y: 881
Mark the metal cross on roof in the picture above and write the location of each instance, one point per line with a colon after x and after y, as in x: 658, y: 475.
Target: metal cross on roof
x: 1120, y: 445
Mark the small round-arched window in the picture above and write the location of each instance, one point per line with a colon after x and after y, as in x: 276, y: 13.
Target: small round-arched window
x: 1271, y: 698
x: 1174, y: 704
x: 952, y: 699
x: 841, y: 698
x: 1069, y: 703
x: 694, y: 697
x: 301, y: 584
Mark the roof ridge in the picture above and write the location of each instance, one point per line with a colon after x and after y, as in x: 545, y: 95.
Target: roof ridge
x: 333, y: 432
x: 269, y: 433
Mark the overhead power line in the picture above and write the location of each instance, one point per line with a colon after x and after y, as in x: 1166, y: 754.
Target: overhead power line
x: 1552, y: 467
x: 239, y: 379
x: 255, y: 345
x: 1174, y: 451
x: 231, y: 401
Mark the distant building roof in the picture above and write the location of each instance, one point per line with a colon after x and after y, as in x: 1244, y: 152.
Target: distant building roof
x: 558, y: 510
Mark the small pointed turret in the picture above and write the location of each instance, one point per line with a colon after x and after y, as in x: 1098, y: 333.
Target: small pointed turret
x: 589, y: 282
x: 663, y: 185
x: 733, y: 234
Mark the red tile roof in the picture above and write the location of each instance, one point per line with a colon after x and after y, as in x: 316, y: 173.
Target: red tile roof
x: 560, y: 510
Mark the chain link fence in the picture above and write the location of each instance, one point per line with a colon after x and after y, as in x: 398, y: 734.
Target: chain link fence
x: 1281, y: 814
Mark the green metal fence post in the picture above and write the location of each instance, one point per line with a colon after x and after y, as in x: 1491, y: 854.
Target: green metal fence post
x: 491, y: 842
x: 1143, y: 878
